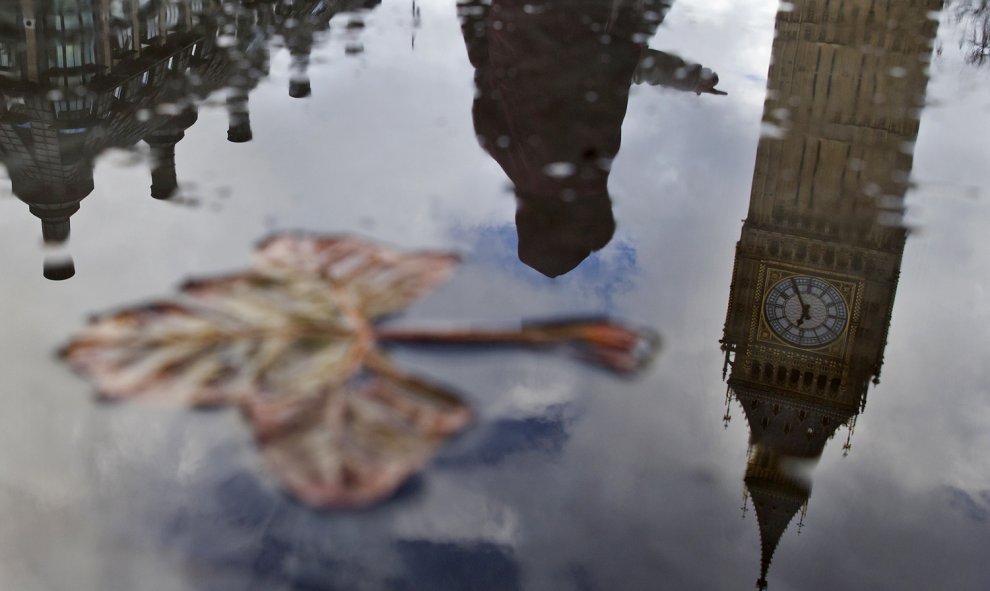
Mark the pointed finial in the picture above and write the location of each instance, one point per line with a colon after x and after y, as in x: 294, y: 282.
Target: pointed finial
x: 848, y: 444
x: 58, y: 264
x: 728, y: 362
x: 728, y: 407
x: 239, y: 116
x: 60, y: 269
x: 804, y: 513
x: 299, y: 85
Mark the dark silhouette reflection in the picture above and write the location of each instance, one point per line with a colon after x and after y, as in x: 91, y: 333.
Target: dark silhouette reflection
x: 80, y: 76
x: 553, y: 80
x: 817, y: 264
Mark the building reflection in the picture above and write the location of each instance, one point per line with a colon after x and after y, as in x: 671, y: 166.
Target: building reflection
x: 80, y: 76
x: 817, y: 264
x: 553, y: 80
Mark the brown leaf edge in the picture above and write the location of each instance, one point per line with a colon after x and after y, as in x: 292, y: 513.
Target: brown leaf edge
x: 68, y: 353
x: 347, y: 485
x: 389, y: 256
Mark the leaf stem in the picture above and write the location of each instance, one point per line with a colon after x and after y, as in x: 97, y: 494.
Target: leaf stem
x: 521, y: 336
x: 612, y: 345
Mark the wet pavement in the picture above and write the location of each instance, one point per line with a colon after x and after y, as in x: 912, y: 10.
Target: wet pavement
x: 806, y: 245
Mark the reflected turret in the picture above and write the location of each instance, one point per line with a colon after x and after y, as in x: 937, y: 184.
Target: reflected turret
x: 88, y: 77
x: 245, y: 29
x: 164, y: 182
x: 818, y: 261
x: 300, y: 24
x: 53, y: 202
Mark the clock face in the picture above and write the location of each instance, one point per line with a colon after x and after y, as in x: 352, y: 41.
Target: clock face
x: 806, y: 311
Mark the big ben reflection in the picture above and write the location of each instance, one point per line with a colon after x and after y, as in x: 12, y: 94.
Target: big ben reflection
x: 817, y: 264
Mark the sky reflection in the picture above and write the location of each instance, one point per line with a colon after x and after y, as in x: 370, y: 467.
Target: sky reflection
x: 607, y: 484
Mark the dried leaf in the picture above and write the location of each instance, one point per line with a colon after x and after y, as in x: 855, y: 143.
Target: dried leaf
x: 383, y: 281
x: 227, y: 340
x: 292, y: 343
x: 360, y: 444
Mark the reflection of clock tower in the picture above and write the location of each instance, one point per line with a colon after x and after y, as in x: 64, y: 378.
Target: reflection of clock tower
x: 817, y: 264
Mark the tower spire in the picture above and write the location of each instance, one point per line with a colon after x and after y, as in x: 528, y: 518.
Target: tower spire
x: 777, y: 498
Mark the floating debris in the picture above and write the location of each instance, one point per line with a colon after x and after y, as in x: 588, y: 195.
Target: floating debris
x: 293, y: 343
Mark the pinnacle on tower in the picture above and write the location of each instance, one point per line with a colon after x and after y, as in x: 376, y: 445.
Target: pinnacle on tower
x: 299, y: 86
x: 55, y: 230
x: 59, y: 270
x: 239, y: 128
x: 164, y: 183
x: 58, y: 265
x: 778, y: 493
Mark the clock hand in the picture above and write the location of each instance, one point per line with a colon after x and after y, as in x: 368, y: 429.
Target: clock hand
x: 798, y: 291
x: 805, y: 308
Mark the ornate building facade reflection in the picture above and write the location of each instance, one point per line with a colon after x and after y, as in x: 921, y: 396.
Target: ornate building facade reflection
x: 80, y: 76
x: 817, y: 264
